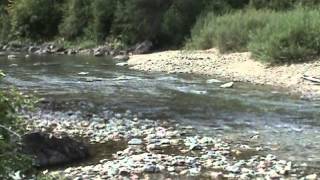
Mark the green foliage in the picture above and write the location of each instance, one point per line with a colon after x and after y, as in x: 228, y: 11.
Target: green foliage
x: 35, y: 19
x: 5, y: 25
x: 138, y: 20
x: 103, y: 14
x: 230, y: 32
x: 272, y: 4
x: 229, y: 25
x: 11, y: 160
x: 282, y: 4
x: 289, y: 37
x: 178, y: 20
x: 77, y: 16
x: 272, y: 36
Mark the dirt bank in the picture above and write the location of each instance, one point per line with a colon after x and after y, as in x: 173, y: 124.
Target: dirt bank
x: 235, y: 66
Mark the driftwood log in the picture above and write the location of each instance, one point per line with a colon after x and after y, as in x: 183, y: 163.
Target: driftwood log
x: 311, y: 79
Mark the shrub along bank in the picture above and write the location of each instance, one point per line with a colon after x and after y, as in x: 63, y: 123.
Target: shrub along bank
x: 231, y: 25
x: 12, y: 162
x: 272, y: 36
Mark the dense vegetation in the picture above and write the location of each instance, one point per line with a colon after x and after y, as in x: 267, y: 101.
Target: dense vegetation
x: 273, y: 30
x: 12, y: 163
x: 276, y: 37
x: 167, y: 23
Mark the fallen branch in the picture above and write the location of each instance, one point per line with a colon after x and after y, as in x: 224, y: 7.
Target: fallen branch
x: 10, y: 131
x: 312, y: 79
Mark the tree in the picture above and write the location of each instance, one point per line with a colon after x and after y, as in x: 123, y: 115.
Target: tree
x: 138, y: 20
x: 77, y: 16
x: 36, y: 19
x: 103, y: 14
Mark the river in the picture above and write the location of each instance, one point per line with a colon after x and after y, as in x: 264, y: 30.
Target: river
x: 287, y: 125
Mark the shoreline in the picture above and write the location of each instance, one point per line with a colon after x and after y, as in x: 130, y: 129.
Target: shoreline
x: 160, y: 149
x: 234, y: 66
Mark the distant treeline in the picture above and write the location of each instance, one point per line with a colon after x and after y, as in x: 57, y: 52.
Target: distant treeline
x: 165, y: 22
x: 231, y: 25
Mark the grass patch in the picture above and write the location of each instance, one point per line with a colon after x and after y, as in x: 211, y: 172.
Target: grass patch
x: 230, y: 32
x: 290, y: 37
x: 272, y: 36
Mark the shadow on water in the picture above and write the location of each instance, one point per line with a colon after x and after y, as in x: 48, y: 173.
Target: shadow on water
x: 287, y: 125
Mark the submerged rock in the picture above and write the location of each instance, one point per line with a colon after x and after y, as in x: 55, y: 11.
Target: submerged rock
x: 121, y: 57
x: 211, y: 81
x: 227, y: 85
x: 12, y: 56
x: 122, y: 64
x: 50, y: 150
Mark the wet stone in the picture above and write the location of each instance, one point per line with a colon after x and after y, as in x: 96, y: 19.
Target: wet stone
x: 159, y: 147
x: 135, y: 142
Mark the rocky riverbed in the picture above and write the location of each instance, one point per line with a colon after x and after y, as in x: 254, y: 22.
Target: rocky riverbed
x: 15, y: 49
x: 155, y: 148
x: 149, y: 144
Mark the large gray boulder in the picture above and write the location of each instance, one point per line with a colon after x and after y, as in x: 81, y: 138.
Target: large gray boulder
x: 100, y: 51
x: 49, y: 150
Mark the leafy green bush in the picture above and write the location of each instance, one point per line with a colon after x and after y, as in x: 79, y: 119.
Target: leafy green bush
x: 230, y: 32
x: 5, y: 25
x: 138, y: 20
x: 11, y: 160
x: 36, y: 19
x: 77, y: 16
x: 289, y: 37
x: 103, y: 13
x: 272, y: 4
x: 281, y: 4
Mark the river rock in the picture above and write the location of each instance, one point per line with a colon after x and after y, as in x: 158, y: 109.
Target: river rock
x: 135, y: 142
x: 216, y: 175
x: 121, y: 58
x: 312, y: 177
x: 33, y: 49
x: 41, y: 52
x: 71, y: 51
x: 50, y: 150
x: 211, y: 81
x: 99, y: 51
x: 122, y: 64
x: 57, y: 49
x: 150, y: 168
x: 227, y: 85
x: 85, y: 51
x: 83, y: 73
x: 12, y: 56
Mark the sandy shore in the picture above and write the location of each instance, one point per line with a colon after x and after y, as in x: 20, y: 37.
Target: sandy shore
x: 235, y: 66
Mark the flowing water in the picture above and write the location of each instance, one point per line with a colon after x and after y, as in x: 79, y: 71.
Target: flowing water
x: 287, y: 125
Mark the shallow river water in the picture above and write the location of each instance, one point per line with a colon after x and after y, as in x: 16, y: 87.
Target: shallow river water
x: 287, y: 125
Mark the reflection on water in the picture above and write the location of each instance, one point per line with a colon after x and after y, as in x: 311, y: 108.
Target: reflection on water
x: 288, y: 125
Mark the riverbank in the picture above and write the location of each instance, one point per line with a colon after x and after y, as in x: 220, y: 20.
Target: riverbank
x: 176, y: 126
x: 234, y: 66
x: 160, y: 149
